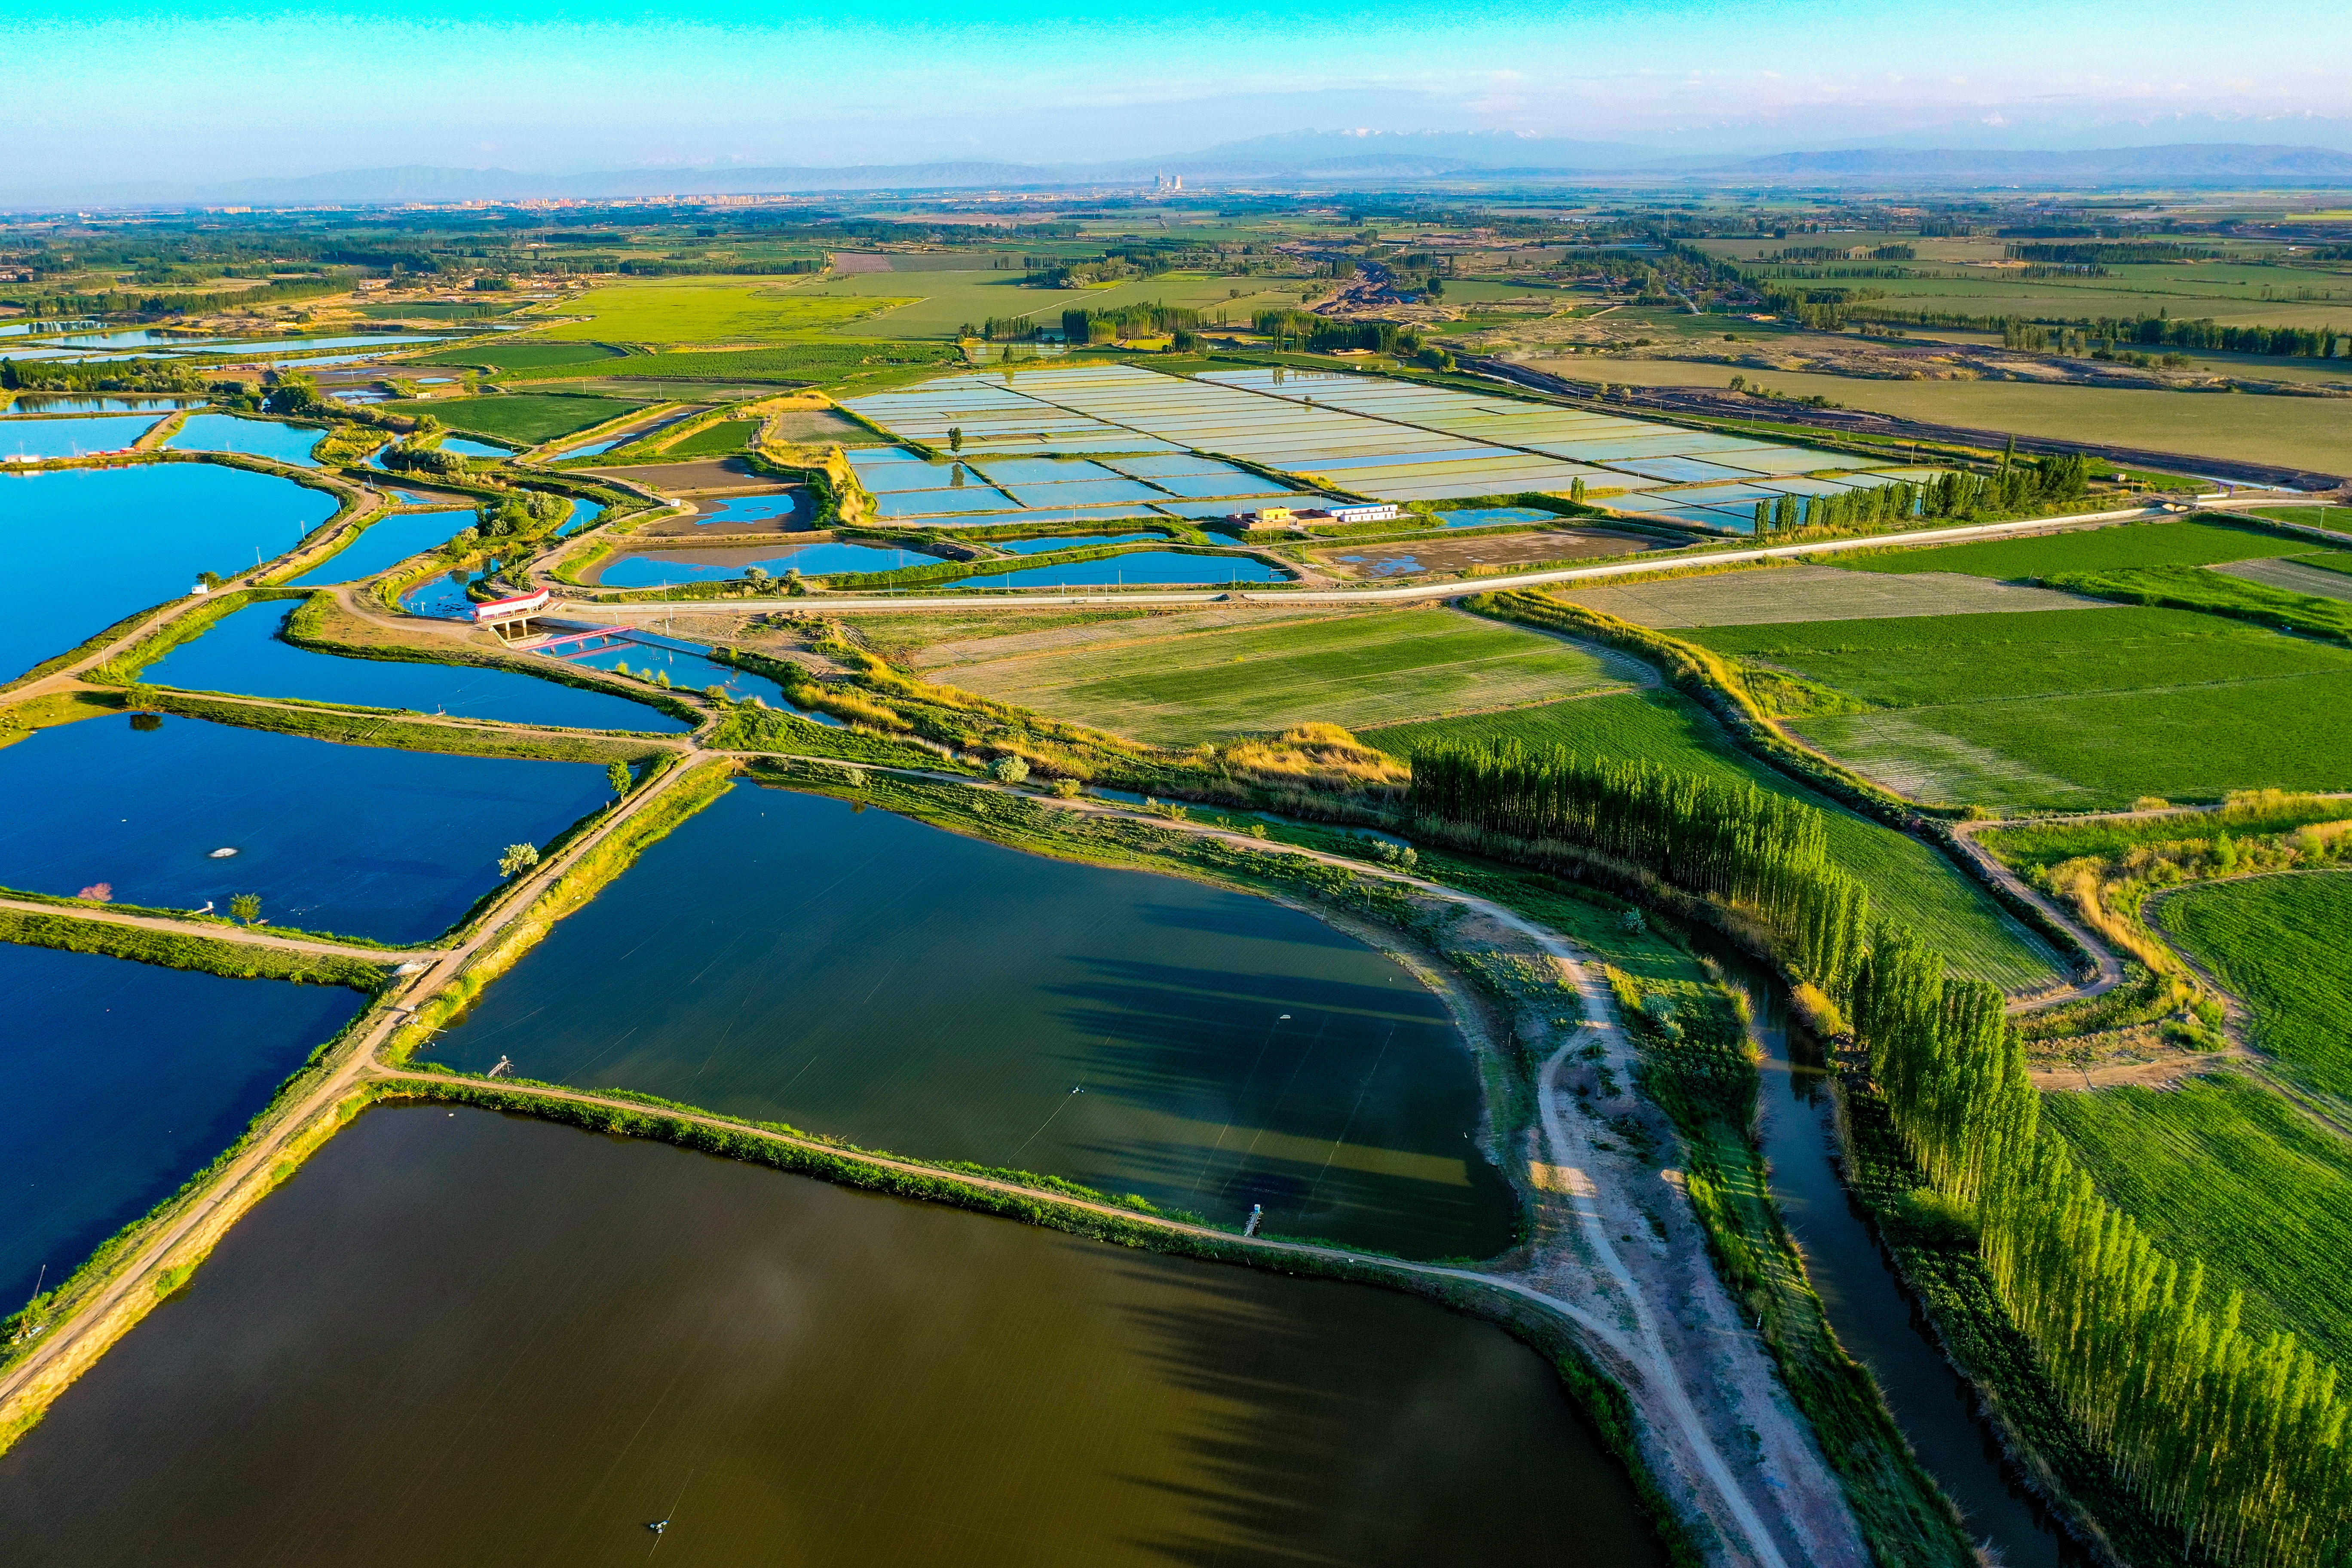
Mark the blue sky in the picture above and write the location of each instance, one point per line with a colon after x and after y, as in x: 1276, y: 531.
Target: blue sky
x: 240, y: 89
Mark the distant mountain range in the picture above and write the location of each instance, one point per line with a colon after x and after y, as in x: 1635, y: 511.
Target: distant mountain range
x: 1323, y: 157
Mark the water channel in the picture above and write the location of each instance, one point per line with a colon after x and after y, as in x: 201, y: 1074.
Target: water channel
x: 363, y: 840
x: 243, y: 653
x: 658, y: 569
x: 1875, y: 1320
x: 89, y: 546
x: 458, y: 1338
x: 1171, y: 567
x: 787, y: 957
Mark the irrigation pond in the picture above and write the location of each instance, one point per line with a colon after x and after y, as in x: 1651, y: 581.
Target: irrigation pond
x: 124, y: 1080
x: 464, y: 1338
x: 789, y: 957
x: 91, y: 546
x: 243, y: 653
x: 361, y: 840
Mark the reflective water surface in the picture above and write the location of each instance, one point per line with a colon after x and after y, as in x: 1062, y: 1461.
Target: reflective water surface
x: 366, y: 840
x: 89, y: 546
x: 784, y: 956
x: 125, y: 1080
x: 243, y: 653
x: 460, y: 1338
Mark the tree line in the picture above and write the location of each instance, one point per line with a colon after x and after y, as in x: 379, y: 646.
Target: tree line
x: 2158, y: 331
x: 2012, y: 490
x: 2238, y: 1441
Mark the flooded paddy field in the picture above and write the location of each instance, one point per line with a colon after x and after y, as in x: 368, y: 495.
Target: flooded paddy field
x: 1401, y: 557
x: 243, y: 654
x: 458, y: 1339
x: 123, y: 1080
x: 787, y: 957
x: 92, y: 545
x: 362, y: 840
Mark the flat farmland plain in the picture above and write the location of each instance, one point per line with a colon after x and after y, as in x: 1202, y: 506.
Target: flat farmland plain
x: 707, y: 310
x: 2284, y: 946
x: 1907, y: 879
x: 2230, y: 1172
x: 1181, y: 681
x: 529, y: 417
x: 2069, y: 710
x: 1759, y: 596
x: 935, y: 304
x: 2299, y: 432
x: 2187, y: 542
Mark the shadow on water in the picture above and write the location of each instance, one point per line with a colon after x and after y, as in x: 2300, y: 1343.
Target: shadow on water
x: 470, y: 1340
x: 1873, y: 1314
x: 783, y: 957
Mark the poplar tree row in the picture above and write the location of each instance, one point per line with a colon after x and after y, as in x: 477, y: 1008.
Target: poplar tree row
x: 1763, y: 854
x: 2244, y: 1442
x: 2239, y: 1441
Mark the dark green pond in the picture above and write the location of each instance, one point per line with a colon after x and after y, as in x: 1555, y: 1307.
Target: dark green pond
x: 460, y: 1338
x: 785, y: 957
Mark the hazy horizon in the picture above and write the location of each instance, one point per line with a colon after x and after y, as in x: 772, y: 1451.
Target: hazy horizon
x: 246, y: 91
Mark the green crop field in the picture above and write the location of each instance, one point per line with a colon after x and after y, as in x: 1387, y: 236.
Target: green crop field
x: 716, y: 440
x: 1352, y: 669
x: 2070, y: 709
x: 529, y: 417
x: 707, y: 311
x: 2300, y: 432
x: 2284, y: 946
x: 792, y: 362
x: 526, y: 358
x: 2230, y: 1173
x: 1908, y: 880
x: 2338, y: 518
x: 950, y: 299
x: 2186, y: 541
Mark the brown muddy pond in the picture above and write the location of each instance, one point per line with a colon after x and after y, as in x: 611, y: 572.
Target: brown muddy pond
x: 1436, y: 553
x: 468, y: 1339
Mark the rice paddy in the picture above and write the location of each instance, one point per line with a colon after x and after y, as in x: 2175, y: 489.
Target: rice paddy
x: 2069, y: 710
x: 1907, y: 879
x: 1181, y: 680
x: 1351, y: 434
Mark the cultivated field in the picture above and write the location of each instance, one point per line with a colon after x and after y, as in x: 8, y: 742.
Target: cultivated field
x: 2322, y: 577
x: 2302, y: 432
x: 1433, y: 551
x: 1758, y: 597
x: 2188, y: 541
x: 2228, y: 1172
x: 1907, y: 877
x: 715, y: 440
x: 529, y: 417
x: 2284, y: 945
x: 2070, y: 709
x: 707, y: 310
x: 1182, y: 679
x: 946, y: 301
